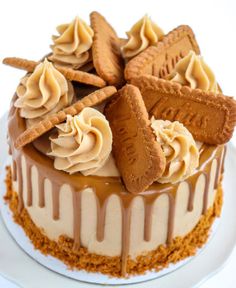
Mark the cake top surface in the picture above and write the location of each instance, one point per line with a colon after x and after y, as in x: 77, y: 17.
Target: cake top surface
x: 138, y: 108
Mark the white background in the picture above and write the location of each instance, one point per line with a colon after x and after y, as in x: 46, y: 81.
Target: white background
x: 26, y: 28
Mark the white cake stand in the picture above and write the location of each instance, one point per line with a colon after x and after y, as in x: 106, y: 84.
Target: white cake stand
x: 26, y: 272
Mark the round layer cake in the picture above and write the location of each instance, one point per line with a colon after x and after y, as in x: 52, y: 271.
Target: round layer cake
x: 121, y: 185
x: 93, y: 223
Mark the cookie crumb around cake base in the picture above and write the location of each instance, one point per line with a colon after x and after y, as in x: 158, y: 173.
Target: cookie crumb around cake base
x: 179, y: 249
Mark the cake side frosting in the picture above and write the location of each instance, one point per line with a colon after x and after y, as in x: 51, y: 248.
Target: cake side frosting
x: 81, y: 259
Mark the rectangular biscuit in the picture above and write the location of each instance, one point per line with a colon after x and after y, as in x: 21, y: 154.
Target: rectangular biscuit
x: 159, y: 60
x: 49, y: 122
x: 209, y: 117
x: 70, y: 74
x: 107, y: 58
x: 138, y: 155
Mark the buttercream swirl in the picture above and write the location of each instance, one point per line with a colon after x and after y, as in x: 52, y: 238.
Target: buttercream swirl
x: 83, y: 143
x: 43, y: 92
x: 194, y: 72
x: 180, y: 150
x: 144, y: 33
x: 72, y: 45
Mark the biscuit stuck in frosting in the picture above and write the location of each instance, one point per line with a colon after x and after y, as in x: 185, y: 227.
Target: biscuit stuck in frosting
x: 83, y: 143
x: 143, y: 34
x: 192, y: 71
x: 43, y: 92
x: 180, y: 150
x: 72, y: 46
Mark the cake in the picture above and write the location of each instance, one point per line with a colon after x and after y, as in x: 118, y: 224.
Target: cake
x: 118, y: 147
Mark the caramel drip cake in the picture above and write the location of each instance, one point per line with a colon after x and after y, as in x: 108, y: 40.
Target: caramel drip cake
x: 117, y: 169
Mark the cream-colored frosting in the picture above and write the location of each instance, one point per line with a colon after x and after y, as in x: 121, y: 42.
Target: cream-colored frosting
x: 194, y: 72
x: 180, y: 150
x: 72, y: 46
x: 143, y: 34
x: 83, y: 143
x: 109, y: 169
x: 43, y: 92
x: 184, y: 220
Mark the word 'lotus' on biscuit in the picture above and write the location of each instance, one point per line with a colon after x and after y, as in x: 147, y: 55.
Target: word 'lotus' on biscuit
x: 208, y: 116
x: 138, y: 155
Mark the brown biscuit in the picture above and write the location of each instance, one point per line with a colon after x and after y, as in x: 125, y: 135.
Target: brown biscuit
x: 70, y: 74
x: 106, y: 51
x: 138, y: 155
x: 51, y: 121
x: 159, y: 60
x: 209, y: 117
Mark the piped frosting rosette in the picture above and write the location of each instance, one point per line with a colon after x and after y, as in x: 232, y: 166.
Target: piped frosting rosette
x: 192, y: 71
x: 43, y: 92
x: 180, y: 150
x: 72, y: 46
x: 83, y: 143
x: 143, y: 34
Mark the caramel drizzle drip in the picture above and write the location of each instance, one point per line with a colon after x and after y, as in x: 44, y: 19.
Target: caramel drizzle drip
x: 29, y: 185
x: 191, y: 186
x: 148, y: 206
x: 55, y: 201
x: 103, y: 190
x: 101, y: 217
x: 41, y: 191
x: 126, y: 221
x: 19, y: 178
x: 220, y: 167
x: 77, y: 218
x: 171, y: 218
x: 205, y: 196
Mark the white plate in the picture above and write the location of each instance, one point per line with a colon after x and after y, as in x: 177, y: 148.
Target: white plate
x: 23, y: 270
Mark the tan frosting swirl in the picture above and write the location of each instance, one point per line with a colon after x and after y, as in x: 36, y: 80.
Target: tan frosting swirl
x: 72, y: 46
x: 180, y: 150
x: 43, y: 92
x: 83, y: 143
x: 194, y: 72
x: 143, y: 34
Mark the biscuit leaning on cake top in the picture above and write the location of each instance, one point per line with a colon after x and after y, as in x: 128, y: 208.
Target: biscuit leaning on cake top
x: 106, y: 52
x: 209, y: 117
x: 133, y: 140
